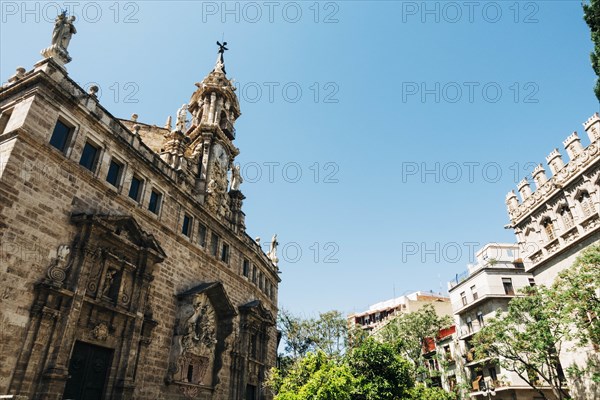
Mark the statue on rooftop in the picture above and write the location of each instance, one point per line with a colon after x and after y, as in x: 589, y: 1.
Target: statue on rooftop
x: 63, y: 30
x: 68, y: 31
x: 272, y: 254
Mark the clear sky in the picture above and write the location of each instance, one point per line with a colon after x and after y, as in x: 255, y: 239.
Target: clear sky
x: 378, y: 139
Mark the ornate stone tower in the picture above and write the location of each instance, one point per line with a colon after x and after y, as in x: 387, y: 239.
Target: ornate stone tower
x: 214, y: 108
x: 206, y: 142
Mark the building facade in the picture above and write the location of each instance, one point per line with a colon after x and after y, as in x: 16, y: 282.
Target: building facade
x: 440, y: 355
x: 488, y: 286
x: 126, y: 271
x: 380, y: 313
x: 558, y: 220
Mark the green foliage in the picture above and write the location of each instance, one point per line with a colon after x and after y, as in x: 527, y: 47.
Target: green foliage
x: 421, y: 392
x: 408, y: 331
x: 319, y: 364
x: 328, y: 333
x: 591, y: 16
x: 381, y: 373
x: 579, y: 289
x: 296, y: 334
x: 527, y: 338
x: 314, y: 377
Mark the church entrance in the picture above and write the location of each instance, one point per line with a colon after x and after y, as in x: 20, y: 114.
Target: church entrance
x: 88, y: 371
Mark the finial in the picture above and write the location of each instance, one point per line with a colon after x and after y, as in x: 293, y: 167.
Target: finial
x: 220, y: 65
x: 19, y: 74
x: 93, y: 90
x: 169, y: 123
x: 134, y: 117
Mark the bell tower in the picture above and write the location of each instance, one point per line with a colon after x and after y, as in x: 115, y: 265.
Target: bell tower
x: 214, y: 108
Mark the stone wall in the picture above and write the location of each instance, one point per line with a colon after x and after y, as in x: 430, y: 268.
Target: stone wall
x: 41, y: 189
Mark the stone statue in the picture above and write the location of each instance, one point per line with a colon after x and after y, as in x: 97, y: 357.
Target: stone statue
x: 110, y: 279
x: 212, y: 186
x: 68, y: 31
x: 59, y: 27
x: 63, y: 30
x: 181, y: 118
x: 236, y: 178
x: 272, y: 254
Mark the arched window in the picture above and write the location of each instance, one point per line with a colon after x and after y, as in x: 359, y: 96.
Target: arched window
x: 567, y: 216
x: 549, y: 228
x: 586, y: 204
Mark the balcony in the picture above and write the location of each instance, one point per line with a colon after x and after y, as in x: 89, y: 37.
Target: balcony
x: 480, y: 383
x: 482, y: 298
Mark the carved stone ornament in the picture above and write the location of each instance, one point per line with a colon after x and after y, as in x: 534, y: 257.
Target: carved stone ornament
x: 194, y: 343
x: 217, y: 200
x: 57, y: 272
x: 100, y: 331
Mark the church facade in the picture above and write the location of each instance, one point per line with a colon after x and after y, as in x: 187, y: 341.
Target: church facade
x: 126, y: 271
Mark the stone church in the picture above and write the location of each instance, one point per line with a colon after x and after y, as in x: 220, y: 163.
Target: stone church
x: 126, y: 271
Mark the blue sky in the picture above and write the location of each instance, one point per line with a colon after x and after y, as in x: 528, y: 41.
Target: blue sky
x: 378, y: 139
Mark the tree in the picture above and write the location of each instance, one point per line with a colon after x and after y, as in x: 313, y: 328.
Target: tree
x: 408, y: 333
x: 314, y: 377
x: 328, y: 333
x: 381, y: 373
x: 579, y: 288
x: 296, y: 334
x: 422, y: 392
x: 528, y: 337
x: 591, y: 16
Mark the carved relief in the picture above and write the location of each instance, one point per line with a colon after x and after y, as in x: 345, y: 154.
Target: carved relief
x: 100, y: 331
x: 95, y: 275
x: 194, y: 343
x: 217, y: 200
x: 57, y: 272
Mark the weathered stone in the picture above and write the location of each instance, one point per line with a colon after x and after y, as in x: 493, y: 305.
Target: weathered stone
x: 86, y: 262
